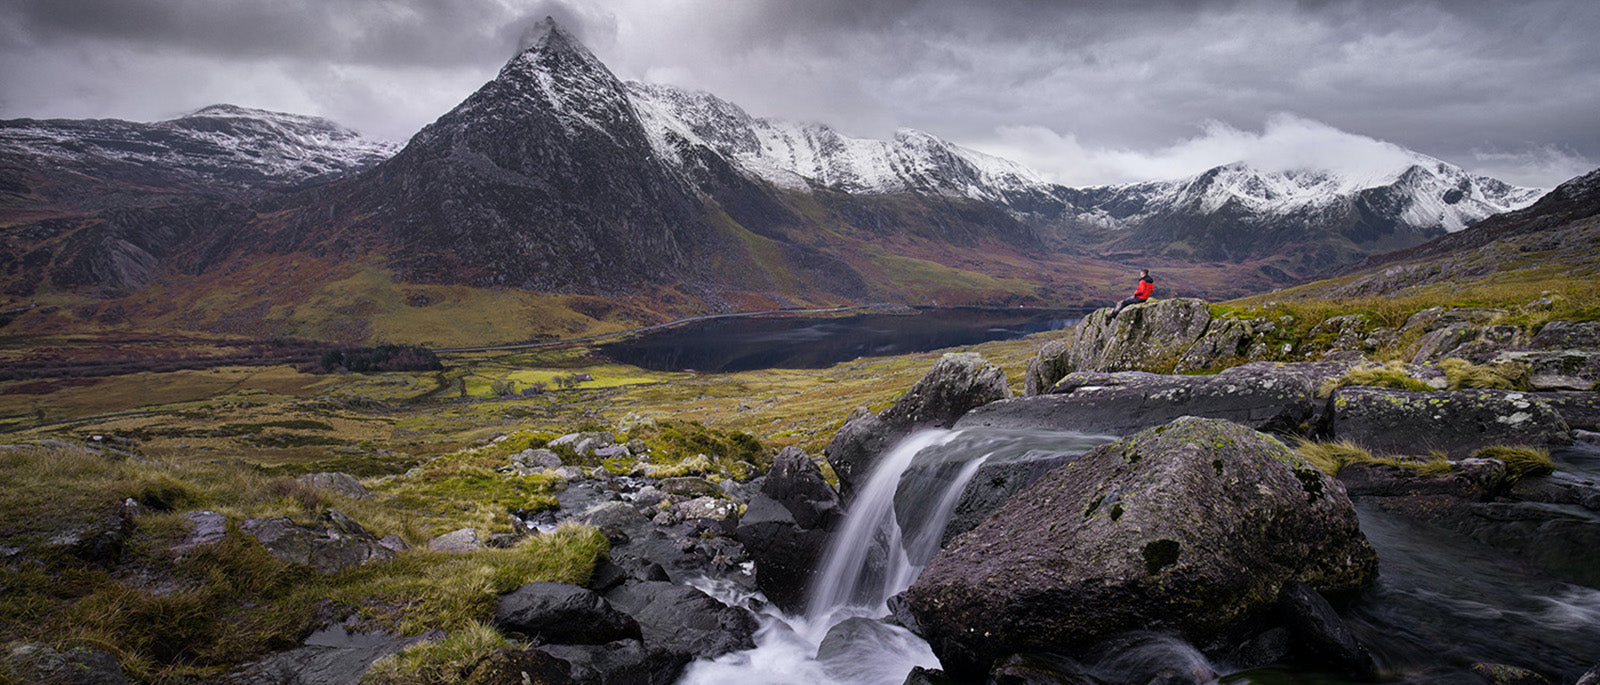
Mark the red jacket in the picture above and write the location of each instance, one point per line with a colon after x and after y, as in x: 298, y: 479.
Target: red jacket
x: 1146, y: 286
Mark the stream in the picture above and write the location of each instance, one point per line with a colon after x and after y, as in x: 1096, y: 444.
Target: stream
x: 1441, y: 603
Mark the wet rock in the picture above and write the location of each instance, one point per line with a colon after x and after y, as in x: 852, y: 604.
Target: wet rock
x: 563, y: 614
x: 1592, y: 677
x: 1457, y: 423
x: 31, y: 662
x: 333, y: 544
x: 927, y: 676
x: 618, y: 520
x: 1502, y: 674
x: 683, y: 620
x: 1268, y: 397
x: 1190, y: 527
x: 518, y: 666
x: 1559, y: 488
x: 720, y: 514
x: 689, y: 486
x: 623, y: 661
x: 329, y: 656
x: 649, y: 496
x: 457, y: 542
x: 851, y: 649
x: 341, y: 483
x: 795, y: 482
x: 1469, y: 479
x: 786, y: 553
x: 1578, y: 409
x: 1320, y: 636
x: 993, y: 484
x: 956, y: 383
x: 1039, y: 669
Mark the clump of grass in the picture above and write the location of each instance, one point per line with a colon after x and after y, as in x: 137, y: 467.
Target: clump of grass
x: 1332, y: 457
x: 1460, y: 373
x: 166, y: 492
x: 423, y: 590
x: 1390, y: 375
x: 438, y: 662
x: 1520, y: 461
x: 675, y: 442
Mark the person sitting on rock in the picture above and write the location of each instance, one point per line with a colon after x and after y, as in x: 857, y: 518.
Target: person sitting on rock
x: 1140, y: 294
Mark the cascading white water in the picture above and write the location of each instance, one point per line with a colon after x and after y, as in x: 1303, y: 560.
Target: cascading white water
x: 871, y: 559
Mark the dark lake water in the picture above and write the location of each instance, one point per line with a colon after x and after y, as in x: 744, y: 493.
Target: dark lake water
x: 800, y: 342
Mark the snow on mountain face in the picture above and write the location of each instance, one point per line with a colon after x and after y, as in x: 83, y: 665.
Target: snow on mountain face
x: 218, y: 143
x: 799, y: 156
x: 1427, y: 194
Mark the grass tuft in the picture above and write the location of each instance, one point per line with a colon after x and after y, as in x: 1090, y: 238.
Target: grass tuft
x: 1520, y: 461
x: 1460, y: 374
x: 438, y: 662
x: 1390, y: 375
x: 1332, y: 457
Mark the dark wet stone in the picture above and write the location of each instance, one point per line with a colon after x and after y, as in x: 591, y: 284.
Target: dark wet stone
x: 563, y: 614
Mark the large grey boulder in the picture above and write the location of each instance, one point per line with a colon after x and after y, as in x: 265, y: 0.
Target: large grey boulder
x: 1153, y: 335
x: 956, y: 384
x: 1457, y: 423
x: 563, y: 614
x: 1191, y: 528
x: 333, y: 544
x: 1265, y: 396
x: 683, y: 620
x: 786, y: 526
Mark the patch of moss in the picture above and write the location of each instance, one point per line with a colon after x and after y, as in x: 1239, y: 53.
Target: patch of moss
x: 1160, y: 554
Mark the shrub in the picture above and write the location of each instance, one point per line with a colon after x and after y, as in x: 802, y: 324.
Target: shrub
x: 1460, y: 373
x: 1390, y: 375
x: 1520, y: 461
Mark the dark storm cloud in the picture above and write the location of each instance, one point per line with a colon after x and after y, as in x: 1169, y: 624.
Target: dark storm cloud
x: 1087, y: 90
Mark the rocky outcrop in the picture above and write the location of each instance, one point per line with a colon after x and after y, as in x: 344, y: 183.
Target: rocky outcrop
x: 956, y: 384
x: 563, y: 614
x: 682, y: 620
x: 786, y: 527
x: 1265, y: 396
x: 1457, y: 423
x: 1144, y: 337
x: 334, y: 544
x: 1192, y: 527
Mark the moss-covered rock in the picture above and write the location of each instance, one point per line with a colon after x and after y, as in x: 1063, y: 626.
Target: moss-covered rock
x: 1191, y: 527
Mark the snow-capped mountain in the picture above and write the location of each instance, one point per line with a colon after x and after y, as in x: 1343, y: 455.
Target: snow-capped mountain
x: 800, y: 156
x: 222, y: 144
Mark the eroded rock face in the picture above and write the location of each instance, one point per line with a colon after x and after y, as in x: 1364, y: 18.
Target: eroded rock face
x: 956, y: 384
x: 1191, y: 527
x: 1458, y: 423
x: 1272, y: 397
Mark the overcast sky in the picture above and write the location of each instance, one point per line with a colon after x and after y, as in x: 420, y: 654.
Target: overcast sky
x: 1085, y: 91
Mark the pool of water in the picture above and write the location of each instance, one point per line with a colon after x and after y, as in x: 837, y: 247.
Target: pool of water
x: 801, y: 342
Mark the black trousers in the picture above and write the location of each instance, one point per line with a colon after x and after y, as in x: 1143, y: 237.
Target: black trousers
x: 1124, y: 303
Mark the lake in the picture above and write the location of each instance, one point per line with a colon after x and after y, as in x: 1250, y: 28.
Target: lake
x: 809, y: 342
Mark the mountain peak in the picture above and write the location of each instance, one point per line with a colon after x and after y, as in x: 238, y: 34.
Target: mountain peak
x: 548, y: 36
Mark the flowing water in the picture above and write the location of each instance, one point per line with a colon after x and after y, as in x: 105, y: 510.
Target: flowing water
x: 1442, y: 601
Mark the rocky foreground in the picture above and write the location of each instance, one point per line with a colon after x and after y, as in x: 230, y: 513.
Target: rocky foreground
x: 1200, y: 523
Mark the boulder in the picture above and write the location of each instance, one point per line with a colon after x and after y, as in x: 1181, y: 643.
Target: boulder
x: 1224, y: 342
x: 786, y: 553
x: 205, y: 528
x: 1468, y: 479
x: 1320, y: 637
x: 689, y: 486
x: 99, y: 539
x: 562, y: 614
x: 1581, y: 410
x: 956, y: 383
x: 1272, y: 397
x: 331, y: 655
x: 795, y: 482
x: 852, y: 651
x: 1567, y: 335
x: 536, y: 458
x: 456, y: 541
x: 333, y: 544
x: 623, y: 661
x: 715, y: 512
x: 1457, y: 423
x: 1149, y: 336
x: 1193, y: 527
x: 1558, y: 369
x: 683, y: 620
x: 1591, y: 677
x: 1559, y: 488
x: 31, y: 662
x: 585, y: 443
x: 341, y: 483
